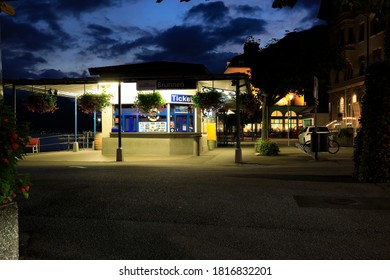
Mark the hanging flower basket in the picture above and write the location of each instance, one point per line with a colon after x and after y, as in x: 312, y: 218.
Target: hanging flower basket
x: 41, y: 102
x: 148, y: 101
x: 90, y: 103
x: 208, y: 100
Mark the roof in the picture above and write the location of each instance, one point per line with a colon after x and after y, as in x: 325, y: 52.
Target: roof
x: 65, y: 86
x: 149, y: 70
x: 132, y: 73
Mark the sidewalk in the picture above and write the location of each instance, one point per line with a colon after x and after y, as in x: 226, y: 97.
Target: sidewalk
x: 221, y: 156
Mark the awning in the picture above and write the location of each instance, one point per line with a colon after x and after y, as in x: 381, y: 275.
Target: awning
x: 69, y: 87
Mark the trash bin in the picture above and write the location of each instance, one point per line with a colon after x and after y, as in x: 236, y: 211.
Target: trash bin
x: 319, y: 142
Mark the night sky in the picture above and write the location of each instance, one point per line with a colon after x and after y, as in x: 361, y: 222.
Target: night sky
x: 56, y: 39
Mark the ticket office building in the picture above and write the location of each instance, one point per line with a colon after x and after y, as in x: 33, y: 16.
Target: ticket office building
x: 172, y: 130
x: 177, y: 129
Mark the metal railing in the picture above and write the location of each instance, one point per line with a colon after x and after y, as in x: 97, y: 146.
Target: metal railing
x: 61, y: 142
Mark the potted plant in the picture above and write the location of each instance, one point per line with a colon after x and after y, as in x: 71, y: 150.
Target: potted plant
x: 266, y: 147
x: 90, y: 103
x: 42, y: 102
x: 13, y: 139
x: 147, y: 101
x: 209, y: 100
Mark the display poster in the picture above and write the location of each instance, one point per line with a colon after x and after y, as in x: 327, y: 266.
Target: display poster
x: 152, y: 126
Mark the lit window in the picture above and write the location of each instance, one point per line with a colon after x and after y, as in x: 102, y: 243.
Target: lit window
x: 341, y: 109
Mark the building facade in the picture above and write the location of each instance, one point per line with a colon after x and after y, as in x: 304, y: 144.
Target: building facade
x: 361, y: 40
x: 177, y: 128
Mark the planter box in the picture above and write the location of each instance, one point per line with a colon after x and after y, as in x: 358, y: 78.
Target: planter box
x: 9, y: 232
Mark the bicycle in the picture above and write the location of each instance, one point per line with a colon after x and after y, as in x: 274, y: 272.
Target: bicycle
x: 333, y: 145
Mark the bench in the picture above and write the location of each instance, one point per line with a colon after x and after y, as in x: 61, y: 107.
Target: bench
x: 34, y: 144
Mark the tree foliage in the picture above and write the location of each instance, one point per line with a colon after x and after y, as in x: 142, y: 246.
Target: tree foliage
x: 291, y: 63
x: 372, y: 147
x: 332, y: 8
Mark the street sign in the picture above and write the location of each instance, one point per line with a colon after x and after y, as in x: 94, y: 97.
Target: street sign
x: 6, y: 8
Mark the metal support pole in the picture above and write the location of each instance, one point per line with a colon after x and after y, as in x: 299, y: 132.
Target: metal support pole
x: 238, y: 155
x: 288, y: 123
x: 94, y: 123
x: 14, y: 96
x: 315, y: 94
x: 75, y: 143
x: 119, y: 154
x: 315, y: 129
x: 264, y: 118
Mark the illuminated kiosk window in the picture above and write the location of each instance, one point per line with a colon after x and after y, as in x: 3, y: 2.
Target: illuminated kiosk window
x: 181, y: 119
x: 133, y: 121
x: 277, y: 120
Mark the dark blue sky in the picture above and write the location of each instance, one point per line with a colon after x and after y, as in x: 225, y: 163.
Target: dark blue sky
x: 55, y: 39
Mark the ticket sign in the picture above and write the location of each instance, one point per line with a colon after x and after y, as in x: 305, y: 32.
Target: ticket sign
x: 175, y: 98
x: 6, y: 8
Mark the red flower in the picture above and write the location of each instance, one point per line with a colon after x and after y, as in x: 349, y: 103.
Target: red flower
x: 14, y: 135
x: 15, y: 146
x: 27, y: 188
x: 22, y: 190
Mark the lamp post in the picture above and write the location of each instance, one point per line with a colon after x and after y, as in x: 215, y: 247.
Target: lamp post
x: 290, y: 97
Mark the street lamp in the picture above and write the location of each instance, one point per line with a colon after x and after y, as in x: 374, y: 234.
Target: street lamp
x: 290, y: 97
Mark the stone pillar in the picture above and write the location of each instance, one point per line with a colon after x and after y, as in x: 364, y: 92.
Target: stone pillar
x: 9, y: 232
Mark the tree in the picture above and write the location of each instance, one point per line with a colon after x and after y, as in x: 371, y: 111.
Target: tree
x: 380, y: 8
x: 291, y: 63
x: 371, y: 153
x: 371, y: 149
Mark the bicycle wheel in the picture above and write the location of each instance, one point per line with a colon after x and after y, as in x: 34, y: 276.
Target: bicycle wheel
x: 334, y: 147
x: 307, y: 146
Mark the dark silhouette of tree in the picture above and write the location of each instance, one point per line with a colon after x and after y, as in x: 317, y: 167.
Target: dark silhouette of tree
x: 289, y: 64
x: 329, y: 8
x: 371, y: 149
x: 292, y: 62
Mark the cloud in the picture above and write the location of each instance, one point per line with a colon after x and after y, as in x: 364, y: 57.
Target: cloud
x: 98, y: 30
x: 210, y: 13
x: 57, y: 74
x: 28, y: 37
x: 75, y: 34
x: 99, y: 39
x: 312, y: 7
x: 238, y: 29
x: 247, y: 9
x: 20, y: 64
x: 77, y: 7
x: 308, y: 4
x: 198, y: 43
